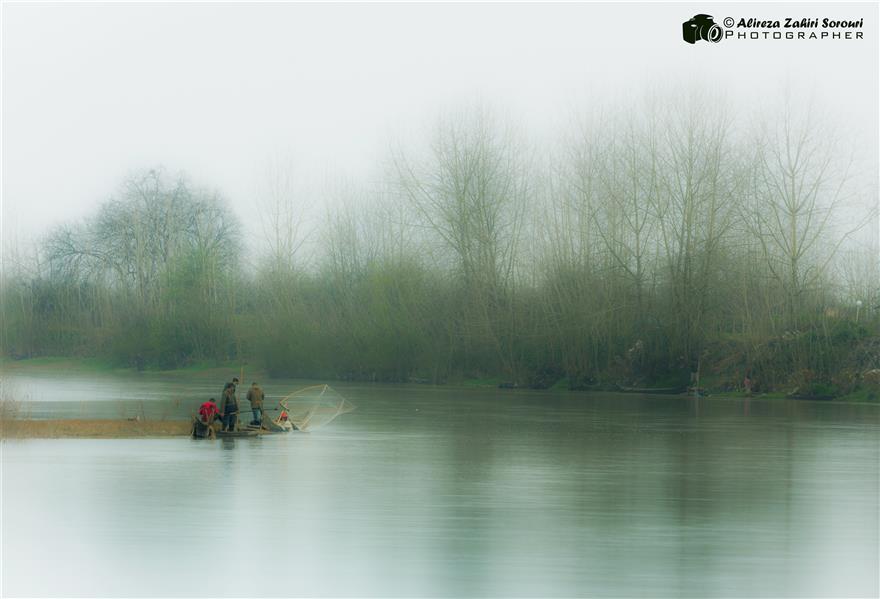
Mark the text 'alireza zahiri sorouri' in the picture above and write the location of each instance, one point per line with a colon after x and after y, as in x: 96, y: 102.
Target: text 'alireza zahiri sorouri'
x: 793, y: 28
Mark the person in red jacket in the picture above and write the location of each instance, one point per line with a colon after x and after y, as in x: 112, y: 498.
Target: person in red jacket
x: 202, y: 425
x: 208, y: 411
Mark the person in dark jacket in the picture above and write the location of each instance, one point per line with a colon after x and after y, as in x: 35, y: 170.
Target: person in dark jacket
x: 229, y: 406
x: 226, y: 386
x: 255, y: 395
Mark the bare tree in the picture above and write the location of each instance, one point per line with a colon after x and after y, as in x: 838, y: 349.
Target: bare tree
x: 799, y: 185
x: 470, y: 192
x: 697, y: 182
x: 283, y: 206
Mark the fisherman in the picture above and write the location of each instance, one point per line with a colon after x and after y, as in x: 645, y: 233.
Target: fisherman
x: 208, y: 412
x: 255, y: 395
x: 283, y: 422
x: 230, y: 406
x: 232, y: 384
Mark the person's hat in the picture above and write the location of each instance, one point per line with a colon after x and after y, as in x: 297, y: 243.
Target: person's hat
x: 235, y: 379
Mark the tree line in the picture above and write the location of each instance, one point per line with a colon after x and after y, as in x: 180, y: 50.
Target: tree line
x: 668, y: 238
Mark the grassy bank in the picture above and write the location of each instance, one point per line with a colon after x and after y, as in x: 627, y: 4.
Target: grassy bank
x: 100, y: 429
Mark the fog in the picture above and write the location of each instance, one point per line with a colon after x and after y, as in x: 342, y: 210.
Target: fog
x: 470, y: 202
x: 565, y: 194
x: 92, y: 92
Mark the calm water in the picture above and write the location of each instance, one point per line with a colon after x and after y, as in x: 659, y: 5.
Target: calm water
x: 444, y: 492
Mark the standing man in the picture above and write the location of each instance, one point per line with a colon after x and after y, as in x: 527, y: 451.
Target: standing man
x: 229, y: 406
x: 255, y: 395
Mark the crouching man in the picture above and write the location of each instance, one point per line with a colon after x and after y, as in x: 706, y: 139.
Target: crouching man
x: 203, y: 425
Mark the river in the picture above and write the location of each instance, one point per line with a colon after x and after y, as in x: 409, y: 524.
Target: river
x: 435, y: 491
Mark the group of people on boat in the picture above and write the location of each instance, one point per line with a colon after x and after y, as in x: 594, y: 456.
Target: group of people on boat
x: 229, y: 409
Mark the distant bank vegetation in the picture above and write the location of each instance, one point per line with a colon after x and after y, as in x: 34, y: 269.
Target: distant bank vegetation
x: 652, y: 242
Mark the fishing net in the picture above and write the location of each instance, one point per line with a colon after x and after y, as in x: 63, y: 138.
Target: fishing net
x: 314, y: 407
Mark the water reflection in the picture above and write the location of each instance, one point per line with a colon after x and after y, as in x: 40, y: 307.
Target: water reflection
x: 432, y: 492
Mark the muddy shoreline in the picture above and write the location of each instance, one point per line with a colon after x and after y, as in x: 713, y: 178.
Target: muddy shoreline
x: 92, y: 428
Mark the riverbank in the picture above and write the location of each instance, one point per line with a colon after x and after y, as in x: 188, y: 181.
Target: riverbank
x: 715, y: 385
x: 91, y: 428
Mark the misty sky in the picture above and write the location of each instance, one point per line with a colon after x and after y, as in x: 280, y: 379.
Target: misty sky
x: 94, y: 91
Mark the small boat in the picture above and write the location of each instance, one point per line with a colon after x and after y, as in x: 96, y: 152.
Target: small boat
x: 305, y: 409
x: 278, y: 426
x: 281, y: 424
x: 201, y: 430
x: 245, y: 432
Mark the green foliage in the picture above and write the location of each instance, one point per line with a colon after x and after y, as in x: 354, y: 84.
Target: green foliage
x: 655, y: 246
x: 862, y: 395
x: 148, y: 281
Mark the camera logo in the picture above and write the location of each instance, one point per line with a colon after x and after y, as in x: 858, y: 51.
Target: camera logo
x: 701, y: 27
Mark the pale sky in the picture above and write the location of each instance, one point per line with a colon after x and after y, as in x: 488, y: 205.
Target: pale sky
x: 93, y: 91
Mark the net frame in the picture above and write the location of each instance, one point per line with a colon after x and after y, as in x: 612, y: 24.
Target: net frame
x: 323, y: 404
